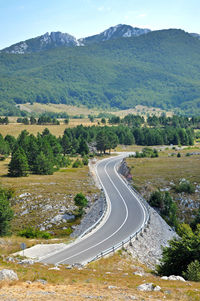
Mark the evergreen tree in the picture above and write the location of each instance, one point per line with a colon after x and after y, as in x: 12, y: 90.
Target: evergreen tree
x: 42, y: 165
x: 83, y: 147
x: 6, y: 213
x: 18, y: 166
x: 66, y: 144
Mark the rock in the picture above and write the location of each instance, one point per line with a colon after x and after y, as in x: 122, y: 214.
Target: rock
x: 54, y: 268
x: 172, y: 277
x: 28, y: 282
x: 148, y: 287
x: 111, y: 287
x: 68, y: 267
x: 25, y: 212
x: 157, y: 288
x: 8, y: 275
x: 132, y: 298
x: 138, y: 274
x: 10, y: 259
x: 78, y: 266
x: 164, y: 278
x: 42, y: 281
x: 61, y: 218
x: 26, y: 261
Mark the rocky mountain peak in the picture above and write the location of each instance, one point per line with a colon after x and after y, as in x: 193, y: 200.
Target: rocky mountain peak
x: 43, y: 42
x: 118, y: 31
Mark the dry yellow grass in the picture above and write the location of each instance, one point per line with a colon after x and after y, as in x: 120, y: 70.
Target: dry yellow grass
x: 93, y: 282
x: 150, y: 174
x: 56, y: 190
x: 58, y: 108
x: 164, y: 169
x: 15, y: 129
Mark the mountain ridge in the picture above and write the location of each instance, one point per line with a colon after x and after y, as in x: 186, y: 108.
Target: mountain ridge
x: 56, y: 39
x: 159, y: 69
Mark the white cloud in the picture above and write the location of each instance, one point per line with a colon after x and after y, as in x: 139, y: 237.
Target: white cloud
x: 142, y: 15
x: 103, y: 8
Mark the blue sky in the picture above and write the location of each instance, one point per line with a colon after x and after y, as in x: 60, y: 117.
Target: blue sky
x: 24, y: 19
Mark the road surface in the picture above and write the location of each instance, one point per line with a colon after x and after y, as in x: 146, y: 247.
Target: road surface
x: 126, y: 216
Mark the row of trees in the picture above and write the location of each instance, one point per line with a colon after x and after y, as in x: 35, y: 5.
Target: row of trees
x: 41, y: 120
x: 45, y: 152
x: 153, y: 120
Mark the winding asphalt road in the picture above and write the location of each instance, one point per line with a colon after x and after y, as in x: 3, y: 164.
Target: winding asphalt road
x: 126, y: 216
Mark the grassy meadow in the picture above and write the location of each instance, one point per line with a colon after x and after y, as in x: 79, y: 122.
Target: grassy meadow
x: 36, y: 192
x: 150, y: 174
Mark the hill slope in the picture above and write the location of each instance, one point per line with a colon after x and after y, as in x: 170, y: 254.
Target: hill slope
x: 161, y: 68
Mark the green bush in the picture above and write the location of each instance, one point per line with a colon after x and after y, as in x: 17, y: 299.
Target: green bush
x: 193, y: 271
x: 167, y: 207
x: 147, y: 153
x: 185, y: 186
x: 85, y: 160
x: 77, y: 163
x: 80, y: 200
x: 34, y: 233
x: 181, y: 253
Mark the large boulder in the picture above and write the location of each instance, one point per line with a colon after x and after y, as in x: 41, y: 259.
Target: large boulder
x: 8, y: 275
x: 173, y: 277
x: 148, y: 287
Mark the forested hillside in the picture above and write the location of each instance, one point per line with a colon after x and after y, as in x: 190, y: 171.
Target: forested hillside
x: 160, y: 69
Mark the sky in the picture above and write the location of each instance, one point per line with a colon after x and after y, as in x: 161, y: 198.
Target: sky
x: 24, y: 19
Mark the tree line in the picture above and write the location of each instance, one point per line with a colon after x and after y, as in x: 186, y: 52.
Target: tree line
x: 45, y: 153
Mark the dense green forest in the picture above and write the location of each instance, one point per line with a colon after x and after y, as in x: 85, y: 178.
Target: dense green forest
x: 160, y: 69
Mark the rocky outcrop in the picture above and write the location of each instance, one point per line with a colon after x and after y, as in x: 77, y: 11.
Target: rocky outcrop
x: 8, y: 275
x: 115, y: 32
x: 173, y: 277
x: 92, y: 217
x: 43, y: 42
x: 148, y: 287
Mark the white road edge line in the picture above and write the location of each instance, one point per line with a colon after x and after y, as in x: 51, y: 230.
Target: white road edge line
x: 81, y: 238
x: 112, y: 233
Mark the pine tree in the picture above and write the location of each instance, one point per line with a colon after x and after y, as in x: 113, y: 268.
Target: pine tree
x: 6, y: 213
x: 18, y: 166
x: 42, y: 165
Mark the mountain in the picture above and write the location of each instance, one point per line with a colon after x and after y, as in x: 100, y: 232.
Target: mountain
x: 44, y: 42
x: 115, y: 32
x: 56, y: 39
x: 196, y: 35
x: 160, y: 69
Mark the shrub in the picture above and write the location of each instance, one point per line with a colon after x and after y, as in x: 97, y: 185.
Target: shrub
x: 80, y: 200
x: 193, y: 271
x: 85, y: 160
x: 77, y: 164
x: 185, y: 186
x: 34, y: 233
x: 181, y: 252
x: 167, y: 207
